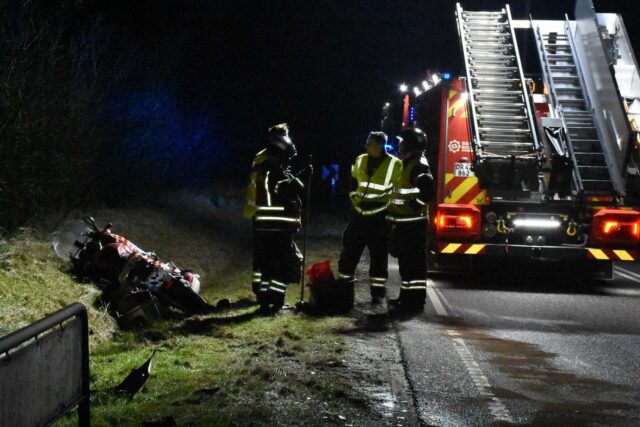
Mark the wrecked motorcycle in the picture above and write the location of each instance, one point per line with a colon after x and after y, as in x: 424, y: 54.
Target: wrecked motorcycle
x: 136, y: 285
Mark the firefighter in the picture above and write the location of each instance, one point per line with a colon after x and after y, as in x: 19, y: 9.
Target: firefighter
x: 409, y: 216
x: 273, y: 201
x: 375, y: 173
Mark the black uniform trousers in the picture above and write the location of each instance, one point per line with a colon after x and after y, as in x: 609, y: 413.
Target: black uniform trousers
x: 372, y: 232
x: 409, y: 245
x: 276, y: 262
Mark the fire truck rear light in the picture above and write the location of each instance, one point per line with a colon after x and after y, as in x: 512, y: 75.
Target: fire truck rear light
x: 454, y: 221
x: 609, y: 226
x: 458, y: 222
x: 465, y: 220
x: 615, y: 227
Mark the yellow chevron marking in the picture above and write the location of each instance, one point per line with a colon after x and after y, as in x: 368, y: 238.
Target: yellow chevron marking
x: 450, y: 248
x: 448, y: 177
x: 620, y: 208
x: 452, y: 93
x: 480, y: 198
x: 461, y: 189
x: 623, y: 255
x: 455, y: 107
x: 474, y: 249
x: 597, y: 253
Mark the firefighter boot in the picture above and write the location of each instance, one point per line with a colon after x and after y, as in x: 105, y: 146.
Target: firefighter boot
x: 409, y: 302
x: 263, y: 297
x: 277, y: 301
x: 264, y: 300
x: 377, y: 294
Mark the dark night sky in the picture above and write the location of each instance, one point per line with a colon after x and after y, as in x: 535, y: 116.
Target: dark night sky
x: 326, y: 67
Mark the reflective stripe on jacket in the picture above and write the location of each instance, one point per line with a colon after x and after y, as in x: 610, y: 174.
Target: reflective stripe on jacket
x: 372, y: 195
x: 251, y: 193
x: 405, y: 204
x: 269, y: 209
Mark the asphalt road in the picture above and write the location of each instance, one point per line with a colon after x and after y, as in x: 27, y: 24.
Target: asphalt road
x: 526, y: 348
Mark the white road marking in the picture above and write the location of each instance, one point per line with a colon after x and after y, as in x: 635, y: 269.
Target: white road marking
x: 627, y: 273
x: 626, y: 276
x: 620, y: 292
x: 480, y: 380
x: 437, y: 304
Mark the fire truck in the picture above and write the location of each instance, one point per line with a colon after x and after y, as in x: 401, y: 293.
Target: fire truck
x: 538, y: 158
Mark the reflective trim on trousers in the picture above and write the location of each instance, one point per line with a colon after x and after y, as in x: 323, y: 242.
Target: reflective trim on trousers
x: 378, y: 282
x: 257, y: 277
x: 345, y: 276
x: 264, y: 286
x: 278, y: 286
x: 418, y: 285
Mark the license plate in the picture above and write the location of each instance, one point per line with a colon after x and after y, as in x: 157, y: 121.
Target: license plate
x: 462, y: 169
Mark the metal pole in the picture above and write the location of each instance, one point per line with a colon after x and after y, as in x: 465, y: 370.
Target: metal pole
x: 305, y: 230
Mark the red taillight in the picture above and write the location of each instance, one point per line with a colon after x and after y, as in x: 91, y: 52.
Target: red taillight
x: 460, y: 222
x: 609, y: 226
x: 612, y: 227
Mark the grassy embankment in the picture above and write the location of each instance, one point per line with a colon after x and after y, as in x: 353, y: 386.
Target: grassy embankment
x: 231, y: 368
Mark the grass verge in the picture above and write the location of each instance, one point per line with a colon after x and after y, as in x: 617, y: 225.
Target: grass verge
x: 232, y: 368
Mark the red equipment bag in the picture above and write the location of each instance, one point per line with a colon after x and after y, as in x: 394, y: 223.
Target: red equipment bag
x: 320, y: 272
x: 328, y: 294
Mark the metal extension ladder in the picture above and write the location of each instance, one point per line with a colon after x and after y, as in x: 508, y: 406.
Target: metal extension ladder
x: 562, y: 75
x: 501, y: 111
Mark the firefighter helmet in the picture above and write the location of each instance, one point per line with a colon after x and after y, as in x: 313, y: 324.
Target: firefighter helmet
x: 412, y: 140
x: 279, y: 143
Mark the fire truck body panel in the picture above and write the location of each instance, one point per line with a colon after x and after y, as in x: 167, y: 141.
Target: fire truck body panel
x: 546, y: 174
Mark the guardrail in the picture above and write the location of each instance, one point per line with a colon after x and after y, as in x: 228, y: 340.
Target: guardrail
x: 44, y: 370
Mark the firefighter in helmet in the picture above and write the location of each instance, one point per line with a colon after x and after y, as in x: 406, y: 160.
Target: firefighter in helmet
x: 375, y: 172
x: 273, y: 201
x: 408, y: 214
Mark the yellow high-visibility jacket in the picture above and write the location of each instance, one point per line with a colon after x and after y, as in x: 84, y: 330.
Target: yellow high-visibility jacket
x: 272, y: 197
x: 372, y: 194
x: 411, y: 192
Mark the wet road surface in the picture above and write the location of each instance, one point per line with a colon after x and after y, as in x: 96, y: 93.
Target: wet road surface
x: 528, y: 347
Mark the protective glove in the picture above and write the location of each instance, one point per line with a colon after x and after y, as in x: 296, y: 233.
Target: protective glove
x: 305, y: 173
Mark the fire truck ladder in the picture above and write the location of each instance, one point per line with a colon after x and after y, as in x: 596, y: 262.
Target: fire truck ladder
x: 563, y: 77
x: 500, y: 108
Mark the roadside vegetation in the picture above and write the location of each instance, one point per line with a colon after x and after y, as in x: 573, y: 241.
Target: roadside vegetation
x: 233, y: 367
